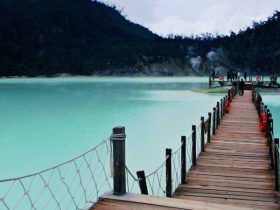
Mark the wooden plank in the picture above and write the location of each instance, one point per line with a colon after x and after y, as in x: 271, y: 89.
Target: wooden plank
x: 232, y: 189
x: 250, y: 196
x: 233, y: 172
x: 244, y: 203
x: 135, y: 201
x: 235, y: 167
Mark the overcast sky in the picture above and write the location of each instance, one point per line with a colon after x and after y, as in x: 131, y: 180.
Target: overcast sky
x: 188, y: 17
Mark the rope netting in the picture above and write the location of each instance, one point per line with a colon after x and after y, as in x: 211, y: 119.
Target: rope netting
x: 198, y: 140
x: 176, y: 168
x: 74, y: 184
x: 188, y: 153
x: 206, y: 124
x: 156, y: 181
x: 132, y: 184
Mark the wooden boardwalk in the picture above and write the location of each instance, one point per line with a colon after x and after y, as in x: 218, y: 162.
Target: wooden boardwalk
x: 233, y: 172
x: 235, y: 167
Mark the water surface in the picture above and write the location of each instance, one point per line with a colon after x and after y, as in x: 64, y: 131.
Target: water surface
x: 271, y: 98
x: 47, y: 121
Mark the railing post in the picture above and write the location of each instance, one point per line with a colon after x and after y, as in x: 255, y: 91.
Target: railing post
x: 271, y: 125
x: 202, y: 129
x: 222, y: 108
x: 194, y: 145
x: 268, y: 124
x: 168, y: 154
x: 218, y: 114
x: 214, y: 121
x: 224, y: 105
x: 271, y: 150
x: 226, y: 99
x: 262, y: 107
x: 229, y: 98
x: 183, y: 160
x: 118, y: 139
x: 209, y: 127
x: 276, y: 167
x: 142, y: 182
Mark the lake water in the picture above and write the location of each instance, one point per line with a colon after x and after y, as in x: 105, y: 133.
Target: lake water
x: 271, y: 98
x: 47, y: 121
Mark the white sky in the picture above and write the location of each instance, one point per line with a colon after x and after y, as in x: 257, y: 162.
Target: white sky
x: 188, y: 17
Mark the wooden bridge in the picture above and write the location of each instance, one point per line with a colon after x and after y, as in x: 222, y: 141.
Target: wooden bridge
x: 234, y: 171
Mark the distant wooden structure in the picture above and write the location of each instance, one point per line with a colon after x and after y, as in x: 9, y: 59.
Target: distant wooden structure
x: 259, y: 81
x: 237, y: 169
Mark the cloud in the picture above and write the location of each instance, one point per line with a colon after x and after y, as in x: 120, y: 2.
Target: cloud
x: 196, y: 17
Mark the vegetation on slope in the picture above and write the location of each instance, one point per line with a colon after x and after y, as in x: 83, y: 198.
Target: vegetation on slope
x: 84, y: 37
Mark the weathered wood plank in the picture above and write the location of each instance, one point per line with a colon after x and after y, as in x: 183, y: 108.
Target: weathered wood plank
x: 235, y: 167
x: 141, y: 202
x: 233, y: 172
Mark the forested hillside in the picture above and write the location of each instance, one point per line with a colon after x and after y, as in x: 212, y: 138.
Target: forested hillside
x: 84, y: 37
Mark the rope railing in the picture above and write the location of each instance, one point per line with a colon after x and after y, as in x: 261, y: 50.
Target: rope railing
x: 176, y: 167
x: 74, y: 184
x: 198, y: 140
x: 131, y: 181
x: 188, y: 153
x: 156, y: 180
x: 165, y: 179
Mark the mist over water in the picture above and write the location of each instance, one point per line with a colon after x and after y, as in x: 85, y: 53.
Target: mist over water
x: 47, y: 121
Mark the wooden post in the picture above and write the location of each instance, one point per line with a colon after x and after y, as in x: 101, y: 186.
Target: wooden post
x: 229, y: 98
x: 142, y: 182
x: 259, y: 104
x: 268, y: 130
x: 276, y: 160
x: 183, y: 160
x: 224, y: 105
x: 222, y: 108
x: 268, y: 124
x: 202, y: 140
x: 271, y: 152
x: 194, y: 145
x: 214, y: 121
x: 118, y: 139
x: 262, y: 107
x: 271, y: 122
x: 226, y: 99
x: 168, y: 154
x: 209, y: 127
x: 218, y: 114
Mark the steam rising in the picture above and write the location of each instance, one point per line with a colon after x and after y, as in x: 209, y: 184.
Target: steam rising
x: 196, y: 63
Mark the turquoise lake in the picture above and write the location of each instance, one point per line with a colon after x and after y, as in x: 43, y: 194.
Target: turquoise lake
x: 272, y: 100
x: 46, y: 121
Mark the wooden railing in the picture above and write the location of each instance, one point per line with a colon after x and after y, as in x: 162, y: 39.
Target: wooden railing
x: 190, y: 149
x: 272, y: 142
